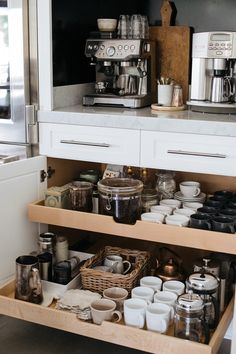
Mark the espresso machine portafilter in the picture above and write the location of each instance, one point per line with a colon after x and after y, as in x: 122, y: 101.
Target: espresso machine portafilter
x: 125, y: 72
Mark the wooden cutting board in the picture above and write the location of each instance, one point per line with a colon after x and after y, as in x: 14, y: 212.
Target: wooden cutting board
x: 173, y: 49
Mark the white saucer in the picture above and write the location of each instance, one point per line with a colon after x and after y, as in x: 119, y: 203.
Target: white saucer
x: 200, y: 198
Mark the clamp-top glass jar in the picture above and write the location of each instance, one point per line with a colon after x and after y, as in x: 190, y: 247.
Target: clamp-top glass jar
x: 166, y: 185
x: 120, y: 198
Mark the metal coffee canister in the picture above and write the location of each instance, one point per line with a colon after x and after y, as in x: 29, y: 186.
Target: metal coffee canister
x: 47, y: 243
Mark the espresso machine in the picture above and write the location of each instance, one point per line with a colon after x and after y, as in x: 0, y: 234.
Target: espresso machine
x: 124, y: 70
x: 213, y: 78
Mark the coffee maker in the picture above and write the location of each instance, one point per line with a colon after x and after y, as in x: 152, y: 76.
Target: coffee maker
x: 124, y: 71
x: 213, y: 78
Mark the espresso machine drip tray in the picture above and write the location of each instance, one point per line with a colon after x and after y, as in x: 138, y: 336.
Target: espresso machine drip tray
x: 210, y: 107
x: 132, y: 101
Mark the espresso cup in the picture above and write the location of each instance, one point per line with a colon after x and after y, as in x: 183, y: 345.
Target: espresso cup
x: 118, y: 295
x: 207, y: 210
x: 190, y: 189
x: 158, y: 317
x: 223, y: 224
x: 211, y: 202
x: 230, y: 213
x: 177, y: 220
x: 152, y: 282
x: 135, y: 312
x: 224, y: 195
x: 117, y: 264
x: 174, y: 286
x: 200, y: 221
x: 171, y: 203
x: 184, y: 211
x: 161, y: 209
x: 192, y: 205
x: 153, y: 217
x: 28, y: 281
x: 104, y: 310
x: 144, y: 293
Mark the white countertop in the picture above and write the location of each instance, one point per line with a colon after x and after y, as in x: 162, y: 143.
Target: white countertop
x: 143, y: 119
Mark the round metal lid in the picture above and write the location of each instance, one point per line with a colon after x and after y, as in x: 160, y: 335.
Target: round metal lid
x: 190, y: 302
x: 120, y: 185
x: 203, y: 282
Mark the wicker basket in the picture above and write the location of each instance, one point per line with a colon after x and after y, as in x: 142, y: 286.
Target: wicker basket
x: 98, y: 281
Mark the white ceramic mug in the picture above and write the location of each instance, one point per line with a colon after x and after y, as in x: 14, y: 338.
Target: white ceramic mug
x: 117, y: 264
x: 174, y: 286
x: 167, y: 297
x: 190, y: 189
x: 192, y: 205
x: 171, y: 203
x: 184, y: 211
x: 161, y: 209
x: 177, y: 220
x: 152, y: 282
x: 158, y: 317
x: 104, y: 310
x: 135, y: 312
x: 143, y: 292
x: 118, y: 295
x: 153, y: 217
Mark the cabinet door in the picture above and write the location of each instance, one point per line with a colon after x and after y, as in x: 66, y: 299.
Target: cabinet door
x: 19, y: 185
x: 189, y: 152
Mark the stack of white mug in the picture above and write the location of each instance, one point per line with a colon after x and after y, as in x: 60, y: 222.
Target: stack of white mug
x: 173, y: 211
x: 151, y: 305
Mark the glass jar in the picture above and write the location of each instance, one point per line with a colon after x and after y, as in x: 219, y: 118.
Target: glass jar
x: 81, y: 196
x: 120, y: 198
x: 166, y: 185
x: 149, y: 198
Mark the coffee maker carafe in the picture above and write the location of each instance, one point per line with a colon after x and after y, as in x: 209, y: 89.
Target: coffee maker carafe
x: 221, y: 85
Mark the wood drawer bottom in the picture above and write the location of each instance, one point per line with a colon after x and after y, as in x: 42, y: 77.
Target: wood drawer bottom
x: 110, y: 332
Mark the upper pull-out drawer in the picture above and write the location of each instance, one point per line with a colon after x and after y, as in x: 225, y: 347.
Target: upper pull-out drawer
x: 86, y: 143
x: 189, y: 152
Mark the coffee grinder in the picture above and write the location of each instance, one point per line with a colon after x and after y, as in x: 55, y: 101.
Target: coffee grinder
x: 125, y: 72
x: 213, y: 78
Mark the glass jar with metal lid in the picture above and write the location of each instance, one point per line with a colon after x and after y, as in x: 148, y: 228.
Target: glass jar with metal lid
x: 165, y: 185
x: 188, y: 322
x: 149, y: 198
x: 120, y: 198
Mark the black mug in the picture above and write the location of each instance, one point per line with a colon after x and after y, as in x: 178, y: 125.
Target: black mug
x: 230, y: 213
x: 223, y: 224
x: 207, y: 210
x: 200, y: 221
x: 226, y: 195
x: 213, y: 203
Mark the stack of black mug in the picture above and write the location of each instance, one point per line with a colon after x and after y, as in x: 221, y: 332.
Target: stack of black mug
x: 217, y: 214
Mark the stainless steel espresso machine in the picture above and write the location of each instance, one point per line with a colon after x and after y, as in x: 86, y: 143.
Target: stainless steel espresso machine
x: 213, y: 79
x: 124, y: 68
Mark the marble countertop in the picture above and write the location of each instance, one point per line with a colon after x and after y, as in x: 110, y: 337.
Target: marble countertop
x: 143, y: 119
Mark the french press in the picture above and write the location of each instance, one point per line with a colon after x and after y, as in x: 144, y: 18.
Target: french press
x: 206, y: 285
x: 189, y: 323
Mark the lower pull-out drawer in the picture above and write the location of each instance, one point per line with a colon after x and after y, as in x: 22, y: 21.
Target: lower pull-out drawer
x: 110, y: 332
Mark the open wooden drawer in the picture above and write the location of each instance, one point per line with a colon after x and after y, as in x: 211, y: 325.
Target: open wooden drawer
x: 168, y: 234
x: 110, y: 332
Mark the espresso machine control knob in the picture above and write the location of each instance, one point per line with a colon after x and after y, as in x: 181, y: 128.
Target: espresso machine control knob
x: 111, y: 51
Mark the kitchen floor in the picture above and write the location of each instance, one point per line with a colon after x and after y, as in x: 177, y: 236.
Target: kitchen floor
x: 20, y: 337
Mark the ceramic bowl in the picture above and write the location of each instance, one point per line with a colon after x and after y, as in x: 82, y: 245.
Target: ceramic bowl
x: 106, y: 24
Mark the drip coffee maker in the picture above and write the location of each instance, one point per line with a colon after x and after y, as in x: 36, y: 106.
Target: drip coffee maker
x: 123, y: 69
x: 213, y: 76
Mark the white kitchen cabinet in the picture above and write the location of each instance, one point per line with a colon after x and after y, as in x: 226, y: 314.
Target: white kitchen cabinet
x: 189, y: 152
x: 19, y: 185
x: 85, y: 143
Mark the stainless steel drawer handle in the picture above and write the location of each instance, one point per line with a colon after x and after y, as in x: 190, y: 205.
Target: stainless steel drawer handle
x: 193, y: 153
x: 86, y: 143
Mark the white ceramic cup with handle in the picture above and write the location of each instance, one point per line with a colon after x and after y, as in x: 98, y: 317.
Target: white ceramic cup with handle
x: 158, y: 317
x: 177, y: 220
x: 190, y: 189
x: 104, y: 310
x: 117, y: 264
x: 161, y: 209
x: 153, y: 217
x: 152, y: 282
x: 184, y: 211
x: 143, y: 292
x: 135, y: 312
x: 169, y: 298
x: 171, y: 203
x: 174, y: 286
